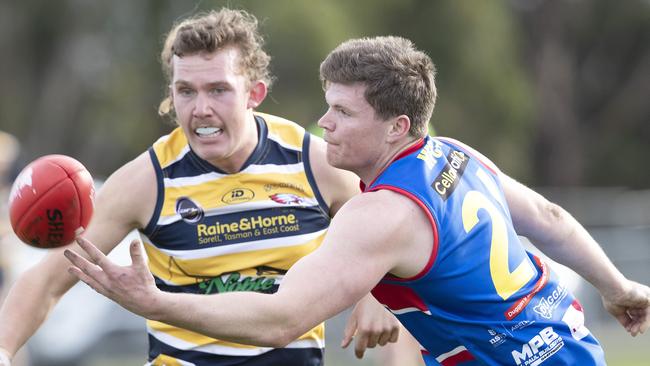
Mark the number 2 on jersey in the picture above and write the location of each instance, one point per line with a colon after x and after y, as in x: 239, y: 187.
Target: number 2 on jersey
x: 505, y: 282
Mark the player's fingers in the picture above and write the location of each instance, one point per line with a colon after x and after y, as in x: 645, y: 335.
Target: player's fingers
x: 95, y: 255
x: 386, y: 336
x: 350, y: 330
x: 80, y: 262
x: 394, y: 335
x: 360, y: 345
x: 372, y: 340
x: 137, y: 258
x: 383, y: 338
x: 90, y: 281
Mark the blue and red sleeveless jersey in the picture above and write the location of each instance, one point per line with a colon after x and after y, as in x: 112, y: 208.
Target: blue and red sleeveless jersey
x: 482, y: 299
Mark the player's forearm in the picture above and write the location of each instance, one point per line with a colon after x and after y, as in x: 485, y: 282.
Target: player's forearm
x: 25, y: 308
x: 242, y: 317
x: 566, y: 241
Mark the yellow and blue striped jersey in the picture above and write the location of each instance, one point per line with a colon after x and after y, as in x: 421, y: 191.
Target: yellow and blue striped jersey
x: 213, y: 232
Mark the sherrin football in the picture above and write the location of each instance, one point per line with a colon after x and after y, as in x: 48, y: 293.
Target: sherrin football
x: 51, y: 201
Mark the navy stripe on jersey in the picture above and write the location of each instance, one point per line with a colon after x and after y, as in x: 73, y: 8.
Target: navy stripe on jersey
x: 185, y: 237
x: 276, y: 357
x: 160, y: 192
x: 310, y: 174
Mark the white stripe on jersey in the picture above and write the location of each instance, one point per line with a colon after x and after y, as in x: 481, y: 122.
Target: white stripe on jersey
x: 251, y: 169
x: 453, y: 352
x: 407, y: 310
x: 246, y: 206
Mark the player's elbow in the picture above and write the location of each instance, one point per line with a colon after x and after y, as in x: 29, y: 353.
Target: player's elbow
x: 284, y: 332
x: 548, y: 221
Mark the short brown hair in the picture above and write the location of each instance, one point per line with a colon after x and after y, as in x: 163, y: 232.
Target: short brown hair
x: 214, y: 30
x: 399, y: 79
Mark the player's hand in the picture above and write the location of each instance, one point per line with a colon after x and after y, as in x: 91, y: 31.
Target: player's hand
x: 5, y: 357
x: 133, y: 287
x: 370, y: 324
x: 631, y: 307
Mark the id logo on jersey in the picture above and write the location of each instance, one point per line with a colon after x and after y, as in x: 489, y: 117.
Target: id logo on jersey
x: 189, y: 210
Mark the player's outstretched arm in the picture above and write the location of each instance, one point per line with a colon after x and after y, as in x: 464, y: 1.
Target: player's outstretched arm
x: 560, y: 236
x: 358, y: 250
x: 37, y: 290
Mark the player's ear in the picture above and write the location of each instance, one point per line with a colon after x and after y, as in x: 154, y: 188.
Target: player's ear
x: 399, y: 127
x: 256, y: 93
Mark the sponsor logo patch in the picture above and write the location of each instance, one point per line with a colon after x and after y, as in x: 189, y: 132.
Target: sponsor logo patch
x: 446, y: 182
x: 547, y: 304
x: 497, y: 337
x: 238, y: 195
x: 189, y: 210
x: 539, y: 348
x: 286, y: 198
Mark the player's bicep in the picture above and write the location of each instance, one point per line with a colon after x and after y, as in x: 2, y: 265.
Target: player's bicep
x: 124, y: 202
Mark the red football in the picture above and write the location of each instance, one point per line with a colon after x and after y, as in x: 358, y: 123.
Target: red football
x: 51, y: 201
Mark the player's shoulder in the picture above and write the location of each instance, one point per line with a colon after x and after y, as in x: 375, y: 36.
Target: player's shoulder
x: 287, y: 133
x: 392, y: 205
x: 470, y: 151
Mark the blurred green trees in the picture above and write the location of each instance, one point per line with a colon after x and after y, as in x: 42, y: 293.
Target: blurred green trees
x: 555, y: 92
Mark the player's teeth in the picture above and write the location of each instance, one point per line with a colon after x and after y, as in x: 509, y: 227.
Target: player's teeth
x: 204, y: 131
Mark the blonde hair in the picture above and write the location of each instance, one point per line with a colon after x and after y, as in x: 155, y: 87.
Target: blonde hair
x: 214, y: 30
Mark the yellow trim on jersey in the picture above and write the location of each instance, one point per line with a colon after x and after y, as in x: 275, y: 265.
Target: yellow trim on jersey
x: 177, y: 271
x: 164, y: 360
x: 214, y: 198
x: 198, y: 339
x: 289, y: 133
x: 169, y: 148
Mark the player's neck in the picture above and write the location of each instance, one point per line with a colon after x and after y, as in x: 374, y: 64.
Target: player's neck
x: 382, y: 162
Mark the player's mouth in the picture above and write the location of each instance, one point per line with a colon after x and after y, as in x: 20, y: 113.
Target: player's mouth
x: 208, y: 131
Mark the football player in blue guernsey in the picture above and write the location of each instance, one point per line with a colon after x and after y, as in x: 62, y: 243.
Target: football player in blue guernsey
x: 434, y: 236
x: 227, y: 202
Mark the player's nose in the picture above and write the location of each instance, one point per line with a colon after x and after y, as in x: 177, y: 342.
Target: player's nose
x: 325, y: 122
x: 202, y: 107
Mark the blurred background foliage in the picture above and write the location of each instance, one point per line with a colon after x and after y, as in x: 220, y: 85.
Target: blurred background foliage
x: 556, y: 92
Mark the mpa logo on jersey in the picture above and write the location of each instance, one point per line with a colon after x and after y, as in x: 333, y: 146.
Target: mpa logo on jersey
x: 189, y: 210
x: 287, y: 198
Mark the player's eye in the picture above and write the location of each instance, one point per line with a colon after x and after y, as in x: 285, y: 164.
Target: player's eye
x: 186, y: 92
x: 217, y: 90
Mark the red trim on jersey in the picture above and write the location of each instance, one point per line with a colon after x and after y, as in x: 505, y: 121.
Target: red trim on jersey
x: 418, y: 145
x: 458, y: 358
x: 521, y: 304
x: 486, y: 163
x: 434, y: 251
x: 398, y: 297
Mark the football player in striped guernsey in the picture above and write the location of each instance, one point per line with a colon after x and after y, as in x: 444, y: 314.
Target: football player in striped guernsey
x: 227, y: 202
